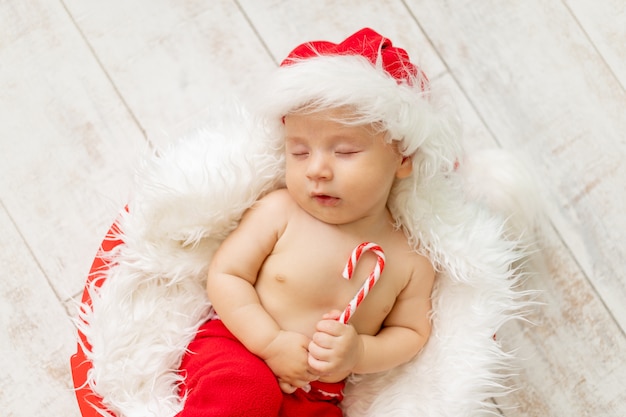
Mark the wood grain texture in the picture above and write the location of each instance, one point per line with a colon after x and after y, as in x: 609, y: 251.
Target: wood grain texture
x: 67, y: 143
x: 604, y: 22
x: 571, y: 354
x: 36, y: 335
x: 283, y: 25
x: 173, y: 61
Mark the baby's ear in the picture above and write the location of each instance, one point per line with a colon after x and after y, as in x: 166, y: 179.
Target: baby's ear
x: 405, y: 168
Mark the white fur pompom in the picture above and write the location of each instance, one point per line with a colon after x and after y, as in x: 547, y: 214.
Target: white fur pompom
x: 503, y: 183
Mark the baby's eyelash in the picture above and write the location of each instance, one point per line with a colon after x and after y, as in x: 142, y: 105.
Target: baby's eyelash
x: 347, y: 151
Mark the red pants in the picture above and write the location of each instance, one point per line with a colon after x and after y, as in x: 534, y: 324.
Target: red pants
x: 224, y: 379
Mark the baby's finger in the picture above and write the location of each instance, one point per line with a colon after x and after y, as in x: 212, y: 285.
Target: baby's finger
x: 331, y: 327
x: 322, y: 340
x: 321, y: 366
x: 319, y: 351
x: 312, y: 374
x: 286, y: 387
x: 332, y: 315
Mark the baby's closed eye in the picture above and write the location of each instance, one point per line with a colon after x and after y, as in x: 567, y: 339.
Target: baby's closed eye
x: 347, y: 150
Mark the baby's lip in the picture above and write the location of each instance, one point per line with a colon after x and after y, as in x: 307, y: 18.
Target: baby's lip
x: 325, y: 199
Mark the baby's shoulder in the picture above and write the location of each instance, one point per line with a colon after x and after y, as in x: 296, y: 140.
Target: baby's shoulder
x: 271, y: 211
x: 407, y: 256
x: 276, y: 201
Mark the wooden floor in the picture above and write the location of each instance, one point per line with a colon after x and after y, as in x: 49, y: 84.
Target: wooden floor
x: 87, y: 86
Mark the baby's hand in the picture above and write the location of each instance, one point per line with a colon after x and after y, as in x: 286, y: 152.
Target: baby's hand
x: 335, y: 348
x: 287, y: 357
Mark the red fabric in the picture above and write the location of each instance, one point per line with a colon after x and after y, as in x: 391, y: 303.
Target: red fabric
x: 223, y: 379
x: 321, y: 401
x: 80, y: 365
x: 371, y: 45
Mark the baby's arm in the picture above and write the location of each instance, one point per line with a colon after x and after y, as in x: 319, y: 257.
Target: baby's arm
x: 337, y: 349
x: 230, y: 286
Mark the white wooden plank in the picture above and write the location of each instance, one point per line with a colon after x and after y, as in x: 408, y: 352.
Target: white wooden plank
x: 543, y: 90
x: 475, y: 135
x: 172, y: 61
x: 605, y: 24
x: 572, y: 357
x: 285, y: 24
x: 37, y: 336
x: 67, y: 143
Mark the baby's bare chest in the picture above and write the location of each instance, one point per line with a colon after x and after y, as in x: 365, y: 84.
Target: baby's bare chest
x: 304, y: 277
x: 313, y: 271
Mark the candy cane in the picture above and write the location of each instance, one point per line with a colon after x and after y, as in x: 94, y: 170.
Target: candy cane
x: 371, y: 280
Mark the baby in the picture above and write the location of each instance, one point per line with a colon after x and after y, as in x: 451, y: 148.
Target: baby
x: 275, y: 283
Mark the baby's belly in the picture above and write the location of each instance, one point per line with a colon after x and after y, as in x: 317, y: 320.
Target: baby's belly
x: 295, y: 310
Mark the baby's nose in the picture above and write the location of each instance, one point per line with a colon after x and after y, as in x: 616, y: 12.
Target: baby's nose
x: 319, y: 167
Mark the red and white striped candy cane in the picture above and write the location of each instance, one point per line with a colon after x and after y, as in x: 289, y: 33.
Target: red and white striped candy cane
x: 371, y: 280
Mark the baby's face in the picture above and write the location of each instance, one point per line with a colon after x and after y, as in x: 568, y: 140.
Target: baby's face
x: 339, y: 173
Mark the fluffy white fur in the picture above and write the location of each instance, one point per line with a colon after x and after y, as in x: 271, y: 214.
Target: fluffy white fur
x: 192, y: 195
x: 187, y: 200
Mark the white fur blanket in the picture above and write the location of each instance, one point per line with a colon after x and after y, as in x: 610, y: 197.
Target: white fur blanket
x: 188, y: 198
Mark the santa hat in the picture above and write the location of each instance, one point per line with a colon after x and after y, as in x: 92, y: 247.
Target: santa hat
x: 370, y: 45
x: 368, y: 73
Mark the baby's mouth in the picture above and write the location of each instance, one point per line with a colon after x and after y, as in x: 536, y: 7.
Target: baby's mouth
x: 326, y: 200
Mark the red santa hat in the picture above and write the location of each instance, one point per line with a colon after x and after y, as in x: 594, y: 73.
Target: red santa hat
x: 369, y: 74
x: 367, y: 43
